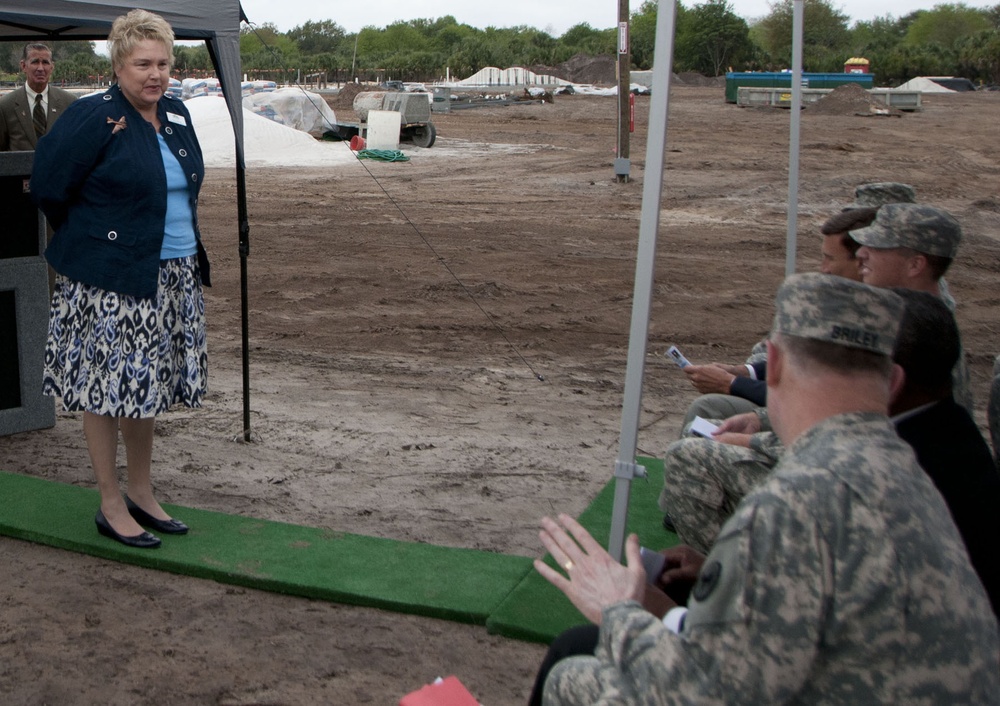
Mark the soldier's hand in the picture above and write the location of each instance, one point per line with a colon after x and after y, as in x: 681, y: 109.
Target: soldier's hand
x: 732, y: 438
x: 746, y: 423
x: 593, y: 580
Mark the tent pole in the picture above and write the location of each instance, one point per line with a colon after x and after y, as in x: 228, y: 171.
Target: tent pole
x: 793, y: 144
x: 244, y: 226
x: 652, y: 192
x: 231, y: 88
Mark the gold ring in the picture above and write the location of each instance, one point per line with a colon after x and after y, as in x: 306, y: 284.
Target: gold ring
x: 568, y: 565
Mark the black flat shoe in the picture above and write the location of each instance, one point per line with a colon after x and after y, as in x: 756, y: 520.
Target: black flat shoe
x: 147, y: 520
x: 668, y: 524
x: 142, y: 541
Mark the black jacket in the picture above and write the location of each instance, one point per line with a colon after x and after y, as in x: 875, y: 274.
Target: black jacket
x: 954, y: 454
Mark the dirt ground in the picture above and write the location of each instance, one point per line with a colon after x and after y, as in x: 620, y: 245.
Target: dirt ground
x: 437, y: 354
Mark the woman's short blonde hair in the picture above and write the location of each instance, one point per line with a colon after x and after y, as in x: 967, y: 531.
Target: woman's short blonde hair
x: 136, y: 26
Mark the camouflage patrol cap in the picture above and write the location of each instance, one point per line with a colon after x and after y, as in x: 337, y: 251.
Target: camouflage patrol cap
x: 925, y: 229
x: 883, y: 192
x: 838, y: 310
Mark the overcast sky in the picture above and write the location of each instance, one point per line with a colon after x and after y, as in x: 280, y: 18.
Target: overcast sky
x: 552, y: 16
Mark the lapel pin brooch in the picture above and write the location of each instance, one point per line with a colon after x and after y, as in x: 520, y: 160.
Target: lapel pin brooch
x: 118, y: 124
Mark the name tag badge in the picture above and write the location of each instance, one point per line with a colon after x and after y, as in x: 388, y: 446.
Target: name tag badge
x: 175, y: 118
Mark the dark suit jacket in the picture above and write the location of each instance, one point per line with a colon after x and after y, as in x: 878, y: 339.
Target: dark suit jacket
x: 750, y: 389
x: 954, y: 454
x: 16, y: 129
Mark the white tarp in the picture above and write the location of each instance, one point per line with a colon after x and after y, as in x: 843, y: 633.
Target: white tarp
x: 294, y: 108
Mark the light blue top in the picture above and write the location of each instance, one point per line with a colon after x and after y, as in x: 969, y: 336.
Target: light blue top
x: 178, y: 229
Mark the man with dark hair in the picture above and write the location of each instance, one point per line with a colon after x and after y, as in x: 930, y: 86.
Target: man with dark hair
x: 839, y: 249
x: 26, y: 113
x: 732, y: 389
x: 839, y: 579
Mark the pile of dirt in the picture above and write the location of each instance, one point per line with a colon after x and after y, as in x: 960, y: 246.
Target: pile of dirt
x: 849, y: 99
x: 596, y: 70
x: 693, y: 78
x: 343, y: 101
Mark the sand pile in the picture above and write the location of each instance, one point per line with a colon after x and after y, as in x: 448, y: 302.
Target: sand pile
x: 266, y: 143
x: 849, y: 99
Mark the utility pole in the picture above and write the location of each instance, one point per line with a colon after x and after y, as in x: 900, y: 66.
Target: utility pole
x: 355, y: 57
x: 622, y: 163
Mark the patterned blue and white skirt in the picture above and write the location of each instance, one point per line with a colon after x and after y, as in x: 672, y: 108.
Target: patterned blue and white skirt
x: 120, y: 356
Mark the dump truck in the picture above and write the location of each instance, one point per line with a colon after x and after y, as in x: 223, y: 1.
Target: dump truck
x: 414, y: 110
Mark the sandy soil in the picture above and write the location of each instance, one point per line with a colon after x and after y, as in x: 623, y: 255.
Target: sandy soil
x: 438, y: 354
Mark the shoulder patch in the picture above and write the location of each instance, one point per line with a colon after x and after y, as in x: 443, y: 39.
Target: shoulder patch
x: 708, y: 579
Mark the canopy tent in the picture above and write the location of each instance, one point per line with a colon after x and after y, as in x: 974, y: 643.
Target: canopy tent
x: 217, y: 23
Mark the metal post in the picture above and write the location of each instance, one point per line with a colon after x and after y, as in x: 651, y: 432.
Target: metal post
x: 649, y: 221
x: 622, y: 162
x: 355, y: 57
x: 793, y: 143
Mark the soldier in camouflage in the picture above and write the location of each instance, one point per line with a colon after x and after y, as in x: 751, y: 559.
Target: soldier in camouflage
x: 912, y: 245
x: 725, y: 395
x: 908, y: 245
x: 705, y: 479
x: 840, y: 579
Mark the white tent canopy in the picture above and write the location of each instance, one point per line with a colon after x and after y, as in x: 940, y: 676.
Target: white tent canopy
x: 217, y: 23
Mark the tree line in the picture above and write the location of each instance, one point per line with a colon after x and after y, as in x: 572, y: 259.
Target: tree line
x: 710, y: 38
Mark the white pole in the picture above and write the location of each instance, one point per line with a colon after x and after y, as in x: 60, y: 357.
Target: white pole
x: 793, y: 145
x: 649, y: 221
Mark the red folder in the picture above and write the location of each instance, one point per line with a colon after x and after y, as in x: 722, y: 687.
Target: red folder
x: 447, y: 692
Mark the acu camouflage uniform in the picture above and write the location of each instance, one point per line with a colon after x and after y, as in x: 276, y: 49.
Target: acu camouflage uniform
x: 928, y: 230
x: 840, y: 579
x: 704, y: 480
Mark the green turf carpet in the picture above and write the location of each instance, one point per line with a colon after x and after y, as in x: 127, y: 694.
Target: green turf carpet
x: 536, y: 610
x: 500, y: 591
x: 457, y: 584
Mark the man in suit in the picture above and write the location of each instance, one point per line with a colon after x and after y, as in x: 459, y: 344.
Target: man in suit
x: 26, y: 113
x: 946, y: 440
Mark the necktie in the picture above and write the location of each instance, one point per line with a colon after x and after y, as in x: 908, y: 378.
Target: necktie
x: 38, y: 116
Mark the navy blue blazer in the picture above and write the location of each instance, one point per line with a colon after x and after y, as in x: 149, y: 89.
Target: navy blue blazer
x: 750, y: 389
x: 104, y: 190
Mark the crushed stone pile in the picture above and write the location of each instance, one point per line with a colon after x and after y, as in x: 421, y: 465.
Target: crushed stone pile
x: 849, y: 99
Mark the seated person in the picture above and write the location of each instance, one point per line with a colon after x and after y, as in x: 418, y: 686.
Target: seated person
x: 841, y: 578
x: 913, y: 245
x: 728, y: 390
x: 705, y: 479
